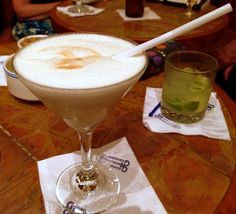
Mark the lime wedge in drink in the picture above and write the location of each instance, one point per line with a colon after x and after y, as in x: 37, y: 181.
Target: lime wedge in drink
x: 191, y: 106
x: 199, y: 83
x: 183, y: 106
x: 175, y: 104
x: 188, y: 69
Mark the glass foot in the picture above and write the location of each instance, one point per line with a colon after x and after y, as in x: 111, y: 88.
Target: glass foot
x: 94, y: 201
x: 79, y: 9
x: 189, y: 14
x: 181, y: 117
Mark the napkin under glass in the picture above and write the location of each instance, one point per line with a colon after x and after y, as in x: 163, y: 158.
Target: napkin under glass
x: 147, y: 15
x: 136, y: 196
x: 92, y: 11
x: 3, y: 81
x: 213, y: 125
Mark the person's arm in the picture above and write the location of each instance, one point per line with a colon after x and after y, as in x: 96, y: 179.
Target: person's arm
x: 226, y: 57
x: 28, y: 11
x: 227, y: 54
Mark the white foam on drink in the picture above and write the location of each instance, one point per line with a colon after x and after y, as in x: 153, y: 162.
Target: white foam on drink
x: 77, y: 61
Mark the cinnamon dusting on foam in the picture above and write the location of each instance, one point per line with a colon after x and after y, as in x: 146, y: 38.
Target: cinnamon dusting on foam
x: 75, y: 57
x: 74, y: 63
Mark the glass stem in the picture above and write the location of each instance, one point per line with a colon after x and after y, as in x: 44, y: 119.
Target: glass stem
x: 78, y: 3
x: 189, y: 10
x: 85, y: 138
x: 86, y: 177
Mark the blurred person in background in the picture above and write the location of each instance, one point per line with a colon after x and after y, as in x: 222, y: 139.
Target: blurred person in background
x: 225, y: 52
x: 33, y: 17
x: 226, y: 76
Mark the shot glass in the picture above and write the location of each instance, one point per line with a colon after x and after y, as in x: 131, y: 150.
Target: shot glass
x: 189, y: 77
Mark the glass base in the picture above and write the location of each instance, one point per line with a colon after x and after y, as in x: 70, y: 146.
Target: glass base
x: 181, y: 118
x: 79, y: 9
x: 189, y: 13
x: 100, y: 199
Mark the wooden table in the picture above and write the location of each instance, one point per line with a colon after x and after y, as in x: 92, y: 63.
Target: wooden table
x: 190, y: 174
x: 110, y: 22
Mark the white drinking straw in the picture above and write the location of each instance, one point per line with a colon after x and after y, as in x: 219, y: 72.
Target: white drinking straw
x: 177, y: 32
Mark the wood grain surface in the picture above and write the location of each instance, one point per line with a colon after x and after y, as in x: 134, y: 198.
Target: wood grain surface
x: 190, y: 174
x: 110, y: 22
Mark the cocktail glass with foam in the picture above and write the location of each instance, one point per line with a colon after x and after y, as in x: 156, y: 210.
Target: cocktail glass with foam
x: 75, y: 76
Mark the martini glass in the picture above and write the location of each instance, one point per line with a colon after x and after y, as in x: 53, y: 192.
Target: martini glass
x: 90, y: 185
x: 79, y: 8
x: 190, y: 4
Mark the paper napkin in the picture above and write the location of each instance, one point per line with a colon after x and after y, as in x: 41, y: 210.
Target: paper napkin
x: 136, y: 196
x: 213, y: 125
x: 93, y: 11
x: 3, y: 81
x: 147, y: 15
